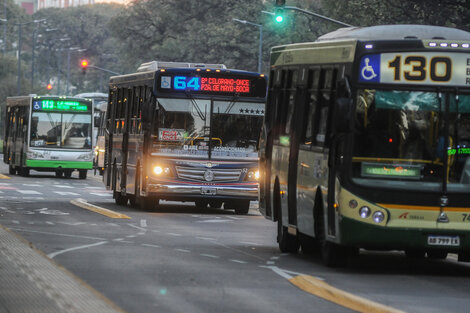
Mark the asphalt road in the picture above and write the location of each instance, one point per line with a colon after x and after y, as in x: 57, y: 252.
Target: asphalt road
x: 182, y: 259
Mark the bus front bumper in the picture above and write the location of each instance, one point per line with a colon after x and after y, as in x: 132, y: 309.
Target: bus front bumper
x: 363, y: 235
x: 164, y: 191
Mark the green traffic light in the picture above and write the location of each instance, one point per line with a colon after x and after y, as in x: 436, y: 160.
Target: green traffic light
x: 279, y: 18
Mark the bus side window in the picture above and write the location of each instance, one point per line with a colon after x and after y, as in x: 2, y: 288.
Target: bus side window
x: 311, y: 108
x: 328, y: 84
x: 289, y: 100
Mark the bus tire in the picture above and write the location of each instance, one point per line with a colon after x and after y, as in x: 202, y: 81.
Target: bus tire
x: 119, y: 198
x: 215, y: 204
x: 82, y: 174
x: 436, y: 255
x: 24, y: 171
x: 201, y: 204
x: 59, y: 173
x: 242, y: 207
x: 68, y: 173
x: 334, y: 255
x: 308, y: 245
x: 11, y: 170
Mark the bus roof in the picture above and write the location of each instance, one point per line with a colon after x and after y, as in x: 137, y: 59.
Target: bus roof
x: 396, y: 32
x: 156, y: 65
x: 92, y: 95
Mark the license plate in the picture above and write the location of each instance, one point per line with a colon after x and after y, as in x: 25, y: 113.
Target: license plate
x: 452, y: 241
x: 208, y: 191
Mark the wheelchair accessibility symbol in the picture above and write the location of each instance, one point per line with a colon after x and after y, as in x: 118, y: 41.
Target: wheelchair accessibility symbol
x: 370, y: 68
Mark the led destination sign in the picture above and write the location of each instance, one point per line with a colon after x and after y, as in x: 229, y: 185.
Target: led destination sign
x: 225, y: 84
x: 60, y: 105
x: 391, y: 171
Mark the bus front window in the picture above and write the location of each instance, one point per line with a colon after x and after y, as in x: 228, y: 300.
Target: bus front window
x: 400, y: 136
x: 60, y: 130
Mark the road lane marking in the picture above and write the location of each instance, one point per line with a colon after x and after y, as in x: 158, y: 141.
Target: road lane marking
x: 66, y: 193
x: 174, y: 234
x: 135, y: 226
x: 238, y: 261
x: 323, y: 290
x: 209, y: 256
x: 83, y: 204
x: 183, y: 250
x: 52, y: 255
x: 143, y: 223
x: 4, y: 176
x: 29, y: 192
x: 150, y: 245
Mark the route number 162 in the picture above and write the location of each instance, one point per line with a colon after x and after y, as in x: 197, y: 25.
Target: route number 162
x: 416, y: 68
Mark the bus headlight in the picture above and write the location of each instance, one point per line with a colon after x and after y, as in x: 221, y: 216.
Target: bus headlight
x: 364, y: 212
x: 86, y: 156
x: 161, y: 170
x: 253, y: 174
x: 378, y: 217
x: 34, y: 155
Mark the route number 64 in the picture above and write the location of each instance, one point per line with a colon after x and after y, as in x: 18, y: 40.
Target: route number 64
x: 417, y: 68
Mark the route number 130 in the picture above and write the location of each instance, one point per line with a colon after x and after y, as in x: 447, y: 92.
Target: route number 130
x: 416, y: 68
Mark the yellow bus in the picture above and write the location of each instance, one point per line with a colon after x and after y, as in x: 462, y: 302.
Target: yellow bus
x: 366, y: 141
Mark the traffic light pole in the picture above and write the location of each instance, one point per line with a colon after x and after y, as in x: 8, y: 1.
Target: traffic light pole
x: 103, y: 69
x: 314, y: 14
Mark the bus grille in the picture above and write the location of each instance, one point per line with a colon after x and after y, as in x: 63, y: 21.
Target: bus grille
x: 219, y: 175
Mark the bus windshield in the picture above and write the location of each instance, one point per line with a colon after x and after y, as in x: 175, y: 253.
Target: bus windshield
x: 60, y: 130
x: 186, y: 126
x: 400, y: 139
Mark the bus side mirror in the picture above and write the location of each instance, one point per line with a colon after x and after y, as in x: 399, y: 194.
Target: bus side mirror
x: 342, y: 118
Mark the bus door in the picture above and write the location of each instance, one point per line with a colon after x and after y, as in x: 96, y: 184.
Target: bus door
x: 295, y: 117
x: 110, y: 129
x: 126, y: 109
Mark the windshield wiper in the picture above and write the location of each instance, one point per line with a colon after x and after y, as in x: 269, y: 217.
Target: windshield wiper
x: 198, y: 109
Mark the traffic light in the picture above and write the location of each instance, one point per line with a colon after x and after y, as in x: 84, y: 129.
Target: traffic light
x: 279, y: 15
x: 49, y: 86
x: 84, y: 65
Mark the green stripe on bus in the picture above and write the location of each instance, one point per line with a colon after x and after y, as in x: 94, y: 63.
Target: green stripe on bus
x: 61, y: 164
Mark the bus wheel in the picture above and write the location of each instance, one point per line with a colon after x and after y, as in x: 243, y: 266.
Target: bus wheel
x: 58, y: 173
x: 119, y: 198
x: 201, y: 204
x: 436, y: 255
x: 308, y: 244
x: 334, y: 255
x: 11, y: 170
x: 24, y: 171
x: 415, y: 253
x: 286, y: 241
x: 242, y: 207
x: 215, y: 204
x: 82, y: 174
x: 68, y: 173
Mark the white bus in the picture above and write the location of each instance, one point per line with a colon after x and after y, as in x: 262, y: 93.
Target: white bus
x: 48, y: 133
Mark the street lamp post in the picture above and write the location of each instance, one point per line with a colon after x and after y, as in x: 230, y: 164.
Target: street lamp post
x: 4, y: 21
x: 260, y: 46
x: 18, y: 81
x: 68, y: 65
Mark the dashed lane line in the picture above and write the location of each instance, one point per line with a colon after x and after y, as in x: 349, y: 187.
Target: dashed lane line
x: 91, y: 207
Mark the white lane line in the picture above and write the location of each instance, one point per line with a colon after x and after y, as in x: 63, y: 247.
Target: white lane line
x: 15, y: 222
x: 131, y: 236
x: 206, y: 238
x: 284, y: 273
x: 274, y: 258
x: 143, y: 223
x: 214, y: 221
x: 52, y: 255
x: 31, y: 185
x: 99, y: 194
x: 238, y: 261
x: 174, y: 234
x: 135, y: 226
x: 209, y: 256
x: 182, y: 250
x: 270, y: 262
x: 150, y: 245
x: 29, y: 192
x: 66, y: 193
x: 54, y: 234
x: 49, y: 223
x: 64, y: 186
